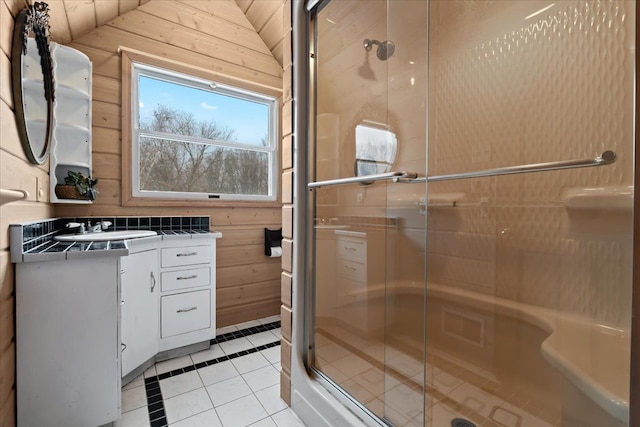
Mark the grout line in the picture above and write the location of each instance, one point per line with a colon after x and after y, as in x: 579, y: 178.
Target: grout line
x: 155, y: 401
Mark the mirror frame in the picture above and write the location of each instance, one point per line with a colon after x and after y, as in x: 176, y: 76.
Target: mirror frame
x: 34, y: 19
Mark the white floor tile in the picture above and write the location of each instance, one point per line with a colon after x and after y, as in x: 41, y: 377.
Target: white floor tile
x: 440, y: 415
x: 277, y: 332
x: 228, y: 390
x: 270, y: 399
x: 372, y: 380
x: 475, y: 399
x: 179, y: 384
x: 443, y: 381
x: 133, y: 398
x: 171, y: 364
x: 250, y: 362
x: 247, y: 325
x: 405, y: 400
x: 351, y: 365
x: 272, y: 354
x: 151, y: 372
x: 262, y: 338
x: 136, y: 418
x: 218, y: 372
x: 266, y: 422
x: 226, y: 330
x: 270, y: 319
x: 333, y: 351
x: 185, y: 405
x: 262, y: 378
x: 212, y: 352
x: 334, y: 373
x: 136, y: 382
x: 287, y: 418
x: 359, y: 392
x: 203, y: 419
x: 241, y: 412
x: 236, y: 345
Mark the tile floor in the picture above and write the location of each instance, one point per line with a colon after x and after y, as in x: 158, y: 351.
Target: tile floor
x: 235, y: 383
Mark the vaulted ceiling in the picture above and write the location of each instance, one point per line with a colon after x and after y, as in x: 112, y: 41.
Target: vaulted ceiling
x: 71, y: 19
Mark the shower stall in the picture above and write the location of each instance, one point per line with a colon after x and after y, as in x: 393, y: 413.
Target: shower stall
x: 464, y: 182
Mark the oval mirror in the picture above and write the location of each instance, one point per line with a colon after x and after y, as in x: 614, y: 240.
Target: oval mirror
x: 32, y: 77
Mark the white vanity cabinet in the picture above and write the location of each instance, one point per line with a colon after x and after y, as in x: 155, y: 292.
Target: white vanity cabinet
x: 188, y: 291
x: 139, y: 309
x: 67, y: 346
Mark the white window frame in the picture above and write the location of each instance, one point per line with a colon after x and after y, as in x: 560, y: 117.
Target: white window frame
x: 210, y: 86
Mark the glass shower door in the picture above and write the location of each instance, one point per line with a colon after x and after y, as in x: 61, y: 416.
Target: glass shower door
x: 473, y: 297
x: 369, y: 231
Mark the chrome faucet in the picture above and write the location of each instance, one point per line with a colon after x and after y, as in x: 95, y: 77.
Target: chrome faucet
x: 78, y: 225
x: 82, y: 229
x: 100, y: 226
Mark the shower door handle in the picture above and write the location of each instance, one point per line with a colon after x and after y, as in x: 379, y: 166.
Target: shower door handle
x: 606, y: 158
x: 392, y: 176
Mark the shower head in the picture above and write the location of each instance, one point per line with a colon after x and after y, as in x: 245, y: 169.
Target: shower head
x: 385, y: 49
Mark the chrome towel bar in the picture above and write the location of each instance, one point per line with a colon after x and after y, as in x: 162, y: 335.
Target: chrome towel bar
x: 605, y: 158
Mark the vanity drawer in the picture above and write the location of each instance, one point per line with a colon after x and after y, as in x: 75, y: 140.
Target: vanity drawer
x: 351, y: 270
x: 355, y: 250
x: 185, y: 312
x: 187, y: 255
x: 182, y: 279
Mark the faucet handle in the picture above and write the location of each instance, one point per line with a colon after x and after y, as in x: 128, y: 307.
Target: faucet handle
x: 105, y: 224
x: 73, y: 224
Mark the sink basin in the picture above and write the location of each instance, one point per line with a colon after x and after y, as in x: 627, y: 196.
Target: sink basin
x: 106, y: 235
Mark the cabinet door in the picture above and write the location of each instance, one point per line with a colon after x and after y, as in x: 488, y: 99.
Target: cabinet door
x: 140, y: 308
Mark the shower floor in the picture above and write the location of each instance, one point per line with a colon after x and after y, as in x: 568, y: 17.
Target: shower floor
x: 388, y: 381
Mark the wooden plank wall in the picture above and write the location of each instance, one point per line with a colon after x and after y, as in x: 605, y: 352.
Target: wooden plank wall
x: 212, y: 35
x: 267, y: 17
x: 15, y: 173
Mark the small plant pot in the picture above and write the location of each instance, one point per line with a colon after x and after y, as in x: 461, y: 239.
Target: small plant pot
x: 68, y: 192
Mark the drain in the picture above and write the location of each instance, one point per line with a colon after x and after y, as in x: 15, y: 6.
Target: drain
x: 461, y: 422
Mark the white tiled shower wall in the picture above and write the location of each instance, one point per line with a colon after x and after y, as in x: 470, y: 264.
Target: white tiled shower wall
x: 556, y: 86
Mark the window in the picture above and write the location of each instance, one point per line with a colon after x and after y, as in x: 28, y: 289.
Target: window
x: 197, y: 139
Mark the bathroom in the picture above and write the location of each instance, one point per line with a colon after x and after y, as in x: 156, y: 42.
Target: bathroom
x: 462, y: 276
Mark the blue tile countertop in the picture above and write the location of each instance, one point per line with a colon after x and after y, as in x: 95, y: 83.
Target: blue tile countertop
x: 35, y: 241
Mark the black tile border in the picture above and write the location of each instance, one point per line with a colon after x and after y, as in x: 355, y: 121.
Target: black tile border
x: 155, y: 402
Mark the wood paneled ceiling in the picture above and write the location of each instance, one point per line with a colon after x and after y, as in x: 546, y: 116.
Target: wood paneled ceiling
x: 71, y: 19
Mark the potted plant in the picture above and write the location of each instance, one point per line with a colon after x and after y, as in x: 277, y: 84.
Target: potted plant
x: 77, y: 186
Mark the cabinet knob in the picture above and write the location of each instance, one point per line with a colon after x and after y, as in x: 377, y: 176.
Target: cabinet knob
x: 123, y: 347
